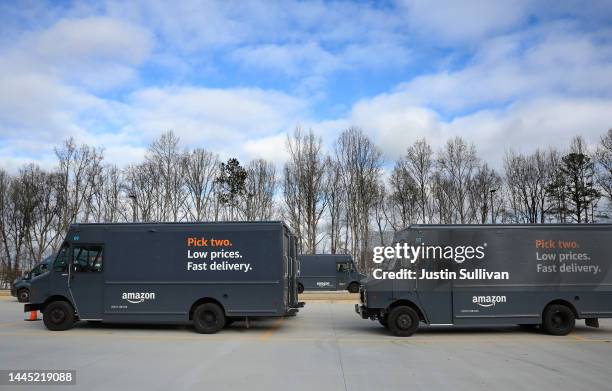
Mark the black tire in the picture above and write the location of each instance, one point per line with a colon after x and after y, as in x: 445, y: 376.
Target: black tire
x: 23, y: 295
x: 384, y: 321
x: 208, y: 318
x: 558, y: 319
x: 58, y: 316
x: 300, y: 288
x: 403, y: 321
x: 353, y: 287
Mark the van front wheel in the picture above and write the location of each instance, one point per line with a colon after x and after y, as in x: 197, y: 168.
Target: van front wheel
x: 23, y: 295
x: 58, y: 316
x: 558, y: 319
x: 403, y: 321
x: 300, y: 288
x: 208, y: 318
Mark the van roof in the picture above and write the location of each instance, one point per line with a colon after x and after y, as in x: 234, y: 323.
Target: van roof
x: 497, y: 226
x: 182, y: 223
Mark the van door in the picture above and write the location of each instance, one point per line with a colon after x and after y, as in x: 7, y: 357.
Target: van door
x: 59, y: 274
x: 286, y: 270
x: 86, y: 280
x: 435, y: 295
x: 343, y: 269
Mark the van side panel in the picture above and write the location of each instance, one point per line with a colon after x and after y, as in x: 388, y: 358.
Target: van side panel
x: 543, y: 264
x: 151, y: 275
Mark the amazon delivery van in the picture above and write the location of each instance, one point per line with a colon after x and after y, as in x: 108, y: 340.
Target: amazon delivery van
x: 206, y: 274
x: 328, y: 272
x: 547, y: 275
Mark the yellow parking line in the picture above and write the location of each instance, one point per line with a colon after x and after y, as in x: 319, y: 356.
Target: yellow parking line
x: 275, y: 326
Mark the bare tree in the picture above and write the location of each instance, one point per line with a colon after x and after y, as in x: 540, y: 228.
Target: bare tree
x: 260, y: 186
x: 17, y: 202
x: 335, y: 199
x: 106, y: 203
x: 165, y: 155
x: 441, y: 189
x: 457, y: 162
x: 360, y: 163
x: 303, y: 187
x: 141, y: 185
x: 78, y: 167
x: 403, y: 197
x: 604, y: 162
x: 483, y: 185
x: 418, y: 165
x: 200, y: 169
x: 527, y: 178
x: 379, y: 212
x: 42, y: 230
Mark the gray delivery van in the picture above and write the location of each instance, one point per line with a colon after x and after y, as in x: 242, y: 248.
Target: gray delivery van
x: 20, y: 288
x: 328, y: 272
x: 207, y: 274
x: 547, y: 275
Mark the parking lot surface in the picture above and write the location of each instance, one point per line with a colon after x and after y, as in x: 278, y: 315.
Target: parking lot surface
x: 325, y: 347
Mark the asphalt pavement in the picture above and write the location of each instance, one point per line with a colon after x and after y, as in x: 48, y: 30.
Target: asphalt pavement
x: 325, y: 347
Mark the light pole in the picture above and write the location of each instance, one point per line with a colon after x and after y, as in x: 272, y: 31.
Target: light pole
x: 134, y: 199
x: 492, y: 215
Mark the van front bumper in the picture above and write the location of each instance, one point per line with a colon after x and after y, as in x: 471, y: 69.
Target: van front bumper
x: 31, y: 307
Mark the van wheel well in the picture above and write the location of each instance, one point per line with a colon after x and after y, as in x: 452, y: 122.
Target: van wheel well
x: 55, y: 298
x: 562, y: 302
x: 410, y: 304
x: 202, y: 301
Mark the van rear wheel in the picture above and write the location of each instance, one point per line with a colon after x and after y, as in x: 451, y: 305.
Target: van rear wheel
x: 353, y: 287
x: 403, y: 321
x: 58, y: 316
x: 558, y: 319
x: 300, y: 288
x: 208, y: 318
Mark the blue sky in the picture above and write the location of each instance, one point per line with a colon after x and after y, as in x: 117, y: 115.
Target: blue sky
x: 235, y: 77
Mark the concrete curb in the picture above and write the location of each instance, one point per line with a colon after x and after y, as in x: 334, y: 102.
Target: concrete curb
x: 329, y: 297
x: 5, y: 292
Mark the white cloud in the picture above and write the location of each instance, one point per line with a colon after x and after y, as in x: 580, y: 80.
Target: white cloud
x: 272, y: 148
x: 218, y: 117
x: 453, y: 21
x: 97, y: 53
x: 555, y: 59
x: 93, y: 39
x: 531, y: 124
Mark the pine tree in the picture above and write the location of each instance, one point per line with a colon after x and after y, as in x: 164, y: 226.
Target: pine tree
x: 231, y: 185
